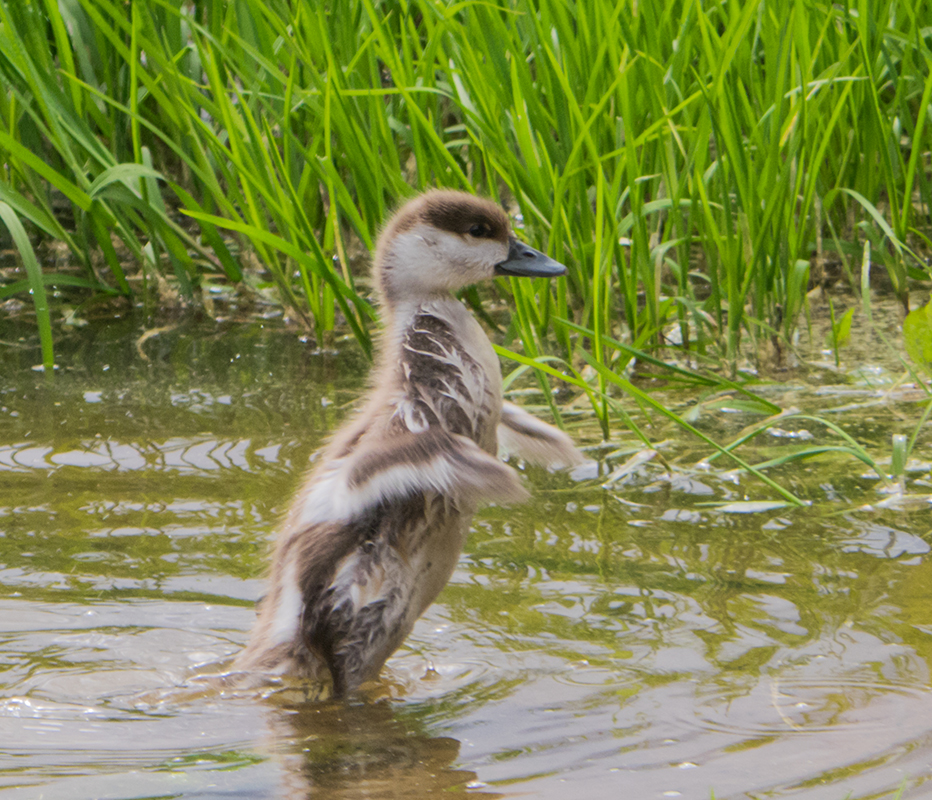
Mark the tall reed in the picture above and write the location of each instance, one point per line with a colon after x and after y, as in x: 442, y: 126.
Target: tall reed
x: 692, y: 162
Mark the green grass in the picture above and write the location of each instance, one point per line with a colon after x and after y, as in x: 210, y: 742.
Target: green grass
x: 694, y: 163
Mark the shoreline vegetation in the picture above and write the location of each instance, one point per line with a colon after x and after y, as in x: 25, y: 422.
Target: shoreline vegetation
x: 702, y: 168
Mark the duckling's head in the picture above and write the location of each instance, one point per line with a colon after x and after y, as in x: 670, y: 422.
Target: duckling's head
x: 443, y: 241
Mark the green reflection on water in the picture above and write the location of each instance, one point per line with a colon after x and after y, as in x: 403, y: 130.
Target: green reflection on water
x: 593, y: 629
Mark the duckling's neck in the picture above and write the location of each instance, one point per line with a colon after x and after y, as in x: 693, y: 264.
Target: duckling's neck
x: 400, y: 316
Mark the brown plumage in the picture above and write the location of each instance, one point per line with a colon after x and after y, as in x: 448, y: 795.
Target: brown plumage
x: 377, y: 529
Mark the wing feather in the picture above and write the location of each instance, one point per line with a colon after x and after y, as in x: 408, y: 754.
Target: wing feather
x: 525, y: 436
x: 405, y: 464
x: 432, y: 461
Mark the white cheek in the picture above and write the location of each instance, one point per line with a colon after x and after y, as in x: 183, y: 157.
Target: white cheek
x: 414, y: 261
x: 473, y: 260
x: 428, y: 260
x: 492, y: 252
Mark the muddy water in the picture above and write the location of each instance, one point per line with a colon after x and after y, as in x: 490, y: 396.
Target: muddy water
x: 655, y: 638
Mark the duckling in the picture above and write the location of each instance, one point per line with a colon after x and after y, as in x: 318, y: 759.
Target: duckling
x: 377, y: 529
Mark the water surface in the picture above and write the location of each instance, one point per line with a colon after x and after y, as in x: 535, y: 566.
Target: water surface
x: 638, y: 640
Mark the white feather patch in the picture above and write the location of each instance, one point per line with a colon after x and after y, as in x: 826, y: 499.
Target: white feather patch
x: 286, y: 616
x: 323, y: 502
x: 411, y: 417
x: 360, y: 587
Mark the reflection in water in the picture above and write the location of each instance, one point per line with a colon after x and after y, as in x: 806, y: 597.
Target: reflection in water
x: 345, y: 751
x: 632, y: 639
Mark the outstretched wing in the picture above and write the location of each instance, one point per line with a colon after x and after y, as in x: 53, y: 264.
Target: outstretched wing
x: 525, y: 436
x: 431, y: 461
x: 404, y: 465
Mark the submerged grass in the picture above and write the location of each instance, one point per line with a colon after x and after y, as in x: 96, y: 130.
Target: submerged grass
x: 699, y: 166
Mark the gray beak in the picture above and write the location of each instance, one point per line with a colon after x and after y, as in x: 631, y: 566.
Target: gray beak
x: 525, y: 261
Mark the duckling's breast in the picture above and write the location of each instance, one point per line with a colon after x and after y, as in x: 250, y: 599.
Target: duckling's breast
x: 449, y: 375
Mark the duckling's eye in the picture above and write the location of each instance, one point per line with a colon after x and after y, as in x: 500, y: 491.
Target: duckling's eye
x: 481, y: 231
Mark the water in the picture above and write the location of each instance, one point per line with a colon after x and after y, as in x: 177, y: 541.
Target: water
x: 636, y: 641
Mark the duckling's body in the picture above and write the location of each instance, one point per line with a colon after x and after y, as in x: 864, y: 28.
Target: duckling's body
x: 378, y: 527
